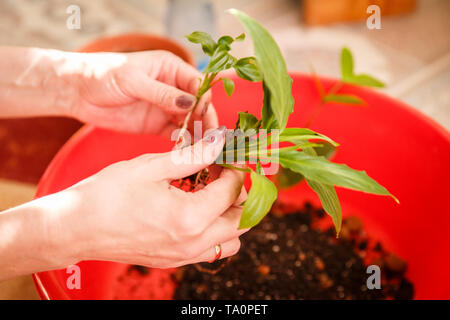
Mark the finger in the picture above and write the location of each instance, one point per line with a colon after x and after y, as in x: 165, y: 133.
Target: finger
x: 168, y: 130
x: 228, y: 249
x: 242, y: 197
x: 178, y: 73
x: 169, y: 98
x: 223, y: 229
x: 213, y: 200
x: 203, y: 104
x: 208, y: 117
x: 184, y: 162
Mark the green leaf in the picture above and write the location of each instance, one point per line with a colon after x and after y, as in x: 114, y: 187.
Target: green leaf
x: 298, y: 135
x: 267, y: 117
x: 228, y: 84
x: 207, y: 42
x: 366, y: 80
x: 343, y: 98
x: 248, y: 121
x: 287, y: 178
x: 259, y: 169
x: 349, y: 76
x: 225, y: 40
x: 328, y: 197
x: 247, y: 69
x: 261, y: 196
x: 321, y: 170
x: 346, y: 64
x: 220, y: 60
x: 326, y: 150
x: 330, y: 202
x: 273, y: 68
x: 240, y: 37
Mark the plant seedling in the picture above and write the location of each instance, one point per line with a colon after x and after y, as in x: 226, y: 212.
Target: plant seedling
x: 306, y: 151
x: 287, y: 178
x: 347, y: 76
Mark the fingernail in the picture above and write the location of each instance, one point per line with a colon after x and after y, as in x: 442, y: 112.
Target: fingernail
x: 205, y: 108
x: 185, y: 101
x: 214, y: 135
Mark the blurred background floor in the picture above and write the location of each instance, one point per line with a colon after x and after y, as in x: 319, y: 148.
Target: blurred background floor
x: 411, y: 52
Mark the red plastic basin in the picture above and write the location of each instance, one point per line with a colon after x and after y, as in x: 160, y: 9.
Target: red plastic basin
x: 402, y: 149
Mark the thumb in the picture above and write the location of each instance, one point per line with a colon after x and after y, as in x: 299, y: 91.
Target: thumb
x: 169, y: 98
x: 184, y: 162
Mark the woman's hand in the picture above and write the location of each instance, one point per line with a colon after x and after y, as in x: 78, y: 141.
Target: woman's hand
x: 129, y: 212
x: 144, y: 92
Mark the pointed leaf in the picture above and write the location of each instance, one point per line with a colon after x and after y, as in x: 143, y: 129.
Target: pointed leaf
x: 240, y: 37
x: 287, y: 178
x: 247, y: 69
x: 261, y: 196
x: 226, y: 40
x: 297, y: 135
x: 319, y: 169
x: 272, y: 66
x: 346, y: 64
x: 343, y: 98
x: 330, y: 202
x: 328, y: 197
x: 220, y: 60
x: 267, y: 116
x: 366, y: 80
x: 203, y: 38
x: 248, y: 121
x: 228, y: 84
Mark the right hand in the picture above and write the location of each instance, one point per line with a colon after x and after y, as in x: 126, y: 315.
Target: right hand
x: 129, y: 212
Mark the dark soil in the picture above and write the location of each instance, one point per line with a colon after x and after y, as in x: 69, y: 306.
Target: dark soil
x: 288, y: 257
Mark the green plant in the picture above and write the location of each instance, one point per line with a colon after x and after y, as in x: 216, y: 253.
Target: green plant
x: 347, y: 76
x: 301, y: 155
x: 287, y: 178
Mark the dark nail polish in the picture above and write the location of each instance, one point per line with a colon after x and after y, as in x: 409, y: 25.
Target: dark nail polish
x: 185, y: 102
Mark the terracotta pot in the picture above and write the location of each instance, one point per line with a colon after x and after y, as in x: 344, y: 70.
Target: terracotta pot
x: 404, y: 150
x: 138, y: 42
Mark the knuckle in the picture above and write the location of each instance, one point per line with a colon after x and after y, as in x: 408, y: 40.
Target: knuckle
x: 190, y: 252
x: 188, y: 225
x: 163, y: 96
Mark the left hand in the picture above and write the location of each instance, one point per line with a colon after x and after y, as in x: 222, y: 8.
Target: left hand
x: 142, y: 92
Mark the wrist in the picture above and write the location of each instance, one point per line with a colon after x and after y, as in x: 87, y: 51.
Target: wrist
x: 37, y: 236
x: 57, y: 215
x: 36, y: 82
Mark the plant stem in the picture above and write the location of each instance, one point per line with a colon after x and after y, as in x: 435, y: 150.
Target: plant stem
x: 186, y: 121
x: 233, y: 167
x: 336, y: 87
x: 204, y: 87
